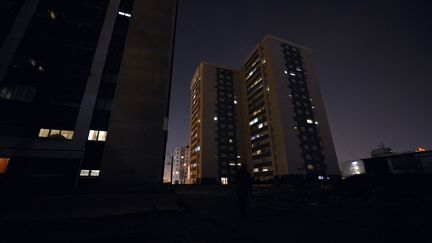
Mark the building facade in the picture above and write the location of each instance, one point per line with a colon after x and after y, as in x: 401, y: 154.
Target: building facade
x: 418, y: 162
x: 167, y: 177
x: 81, y: 95
x: 288, y: 136
x: 213, y: 128
x: 180, y: 166
x: 279, y: 126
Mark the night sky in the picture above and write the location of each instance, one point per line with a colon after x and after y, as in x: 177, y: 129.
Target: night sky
x: 373, y: 60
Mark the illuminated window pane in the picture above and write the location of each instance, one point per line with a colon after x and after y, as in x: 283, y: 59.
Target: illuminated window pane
x: 310, y: 167
x: 256, y: 169
x: 3, y: 165
x: 94, y: 172
x: 84, y: 172
x: 67, y: 134
x: 54, y: 132
x: 224, y: 180
x: 93, y: 135
x: 43, y: 133
x: 102, y: 136
x: 264, y: 169
x: 52, y: 14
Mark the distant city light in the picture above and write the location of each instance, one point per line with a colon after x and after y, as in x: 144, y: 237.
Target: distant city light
x: 420, y: 149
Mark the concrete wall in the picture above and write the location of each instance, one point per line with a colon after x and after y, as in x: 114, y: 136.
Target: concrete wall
x: 209, y: 163
x: 321, y: 116
x: 135, y: 147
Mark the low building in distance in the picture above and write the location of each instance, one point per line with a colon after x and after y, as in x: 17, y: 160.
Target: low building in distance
x: 382, y: 150
x: 419, y: 162
x: 269, y: 114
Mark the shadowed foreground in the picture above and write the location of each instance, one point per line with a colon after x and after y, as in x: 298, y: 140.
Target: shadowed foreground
x: 210, y: 214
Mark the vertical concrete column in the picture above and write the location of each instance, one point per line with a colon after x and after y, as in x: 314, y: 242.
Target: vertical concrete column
x: 134, y: 150
x: 88, y: 101
x: 7, y: 50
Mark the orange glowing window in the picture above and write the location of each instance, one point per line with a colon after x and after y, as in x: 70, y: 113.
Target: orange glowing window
x: 3, y: 165
x: 420, y: 149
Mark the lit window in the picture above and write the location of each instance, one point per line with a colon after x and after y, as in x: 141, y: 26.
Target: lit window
x: 197, y: 148
x: 309, y: 121
x: 92, y: 135
x: 124, y: 14
x: 215, y: 118
x: 230, y: 140
x: 251, y: 73
x: 310, y: 167
x: 32, y: 62
x: 268, y: 89
x: 256, y: 61
x: 286, y: 72
x: 260, y: 126
x: 232, y: 164
x: 292, y: 74
x: 255, y: 83
x: 264, y: 169
x: 235, y: 102
x: 264, y: 61
x: 94, y: 172
x: 256, y: 169
x: 239, y: 164
x: 52, y: 14
x: 320, y: 177
x: 224, y: 180
x: 43, y: 133
x: 3, y: 165
x: 298, y: 69
x: 67, y: 134
x: 258, y: 151
x: 238, y: 156
x: 316, y: 123
x: 255, y: 120
x: 102, y: 136
x: 84, y: 172
x: 54, y: 132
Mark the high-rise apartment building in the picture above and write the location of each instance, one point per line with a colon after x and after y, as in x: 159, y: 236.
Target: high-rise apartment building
x: 213, y: 133
x: 180, y: 165
x: 84, y: 92
x: 288, y: 133
x: 282, y: 131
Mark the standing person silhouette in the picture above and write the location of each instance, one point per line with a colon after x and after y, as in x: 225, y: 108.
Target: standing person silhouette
x: 243, y: 188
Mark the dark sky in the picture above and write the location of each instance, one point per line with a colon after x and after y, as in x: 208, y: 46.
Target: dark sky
x: 373, y: 61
